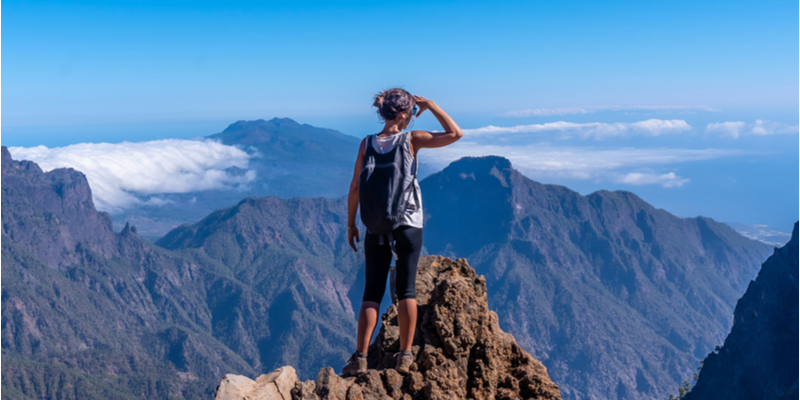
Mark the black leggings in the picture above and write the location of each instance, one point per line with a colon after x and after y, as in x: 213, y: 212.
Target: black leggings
x: 408, y: 243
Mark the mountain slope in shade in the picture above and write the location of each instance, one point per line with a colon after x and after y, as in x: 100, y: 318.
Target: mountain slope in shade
x: 80, y: 300
x: 759, y: 359
x: 293, y: 254
x: 617, y: 299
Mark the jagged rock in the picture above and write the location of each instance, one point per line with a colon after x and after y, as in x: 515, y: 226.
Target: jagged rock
x: 276, y: 385
x: 759, y: 359
x: 459, y: 350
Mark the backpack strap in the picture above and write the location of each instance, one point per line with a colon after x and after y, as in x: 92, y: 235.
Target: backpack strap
x: 369, y: 144
x: 390, y: 239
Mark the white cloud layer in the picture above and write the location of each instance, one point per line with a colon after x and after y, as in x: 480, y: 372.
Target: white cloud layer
x: 597, y: 130
x: 121, y: 174
x: 734, y: 129
x: 546, y: 112
x: 623, y: 165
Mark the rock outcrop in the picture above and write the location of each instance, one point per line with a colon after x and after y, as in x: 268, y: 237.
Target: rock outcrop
x: 459, y: 352
x: 759, y: 358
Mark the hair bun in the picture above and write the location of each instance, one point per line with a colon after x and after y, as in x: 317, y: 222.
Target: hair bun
x: 392, y: 102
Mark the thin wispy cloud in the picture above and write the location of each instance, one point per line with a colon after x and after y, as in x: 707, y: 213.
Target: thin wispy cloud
x: 668, y: 180
x: 596, y: 130
x: 546, y: 112
x: 122, y: 175
x: 729, y: 129
x: 625, y: 165
x: 764, y: 127
x: 734, y: 129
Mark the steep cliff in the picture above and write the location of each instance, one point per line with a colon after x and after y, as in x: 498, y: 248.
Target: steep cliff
x: 459, y: 351
x: 759, y: 360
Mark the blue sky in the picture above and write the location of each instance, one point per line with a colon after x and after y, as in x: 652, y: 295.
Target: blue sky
x: 93, y: 72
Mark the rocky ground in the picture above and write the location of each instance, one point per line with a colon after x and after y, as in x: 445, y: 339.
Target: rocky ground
x: 459, y: 351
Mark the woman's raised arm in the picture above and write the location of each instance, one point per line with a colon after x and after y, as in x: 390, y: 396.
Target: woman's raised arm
x: 423, y: 139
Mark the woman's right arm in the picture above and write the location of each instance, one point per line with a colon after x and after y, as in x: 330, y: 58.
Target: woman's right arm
x: 352, y: 198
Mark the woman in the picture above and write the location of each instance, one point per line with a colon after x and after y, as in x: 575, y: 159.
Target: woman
x: 396, y: 107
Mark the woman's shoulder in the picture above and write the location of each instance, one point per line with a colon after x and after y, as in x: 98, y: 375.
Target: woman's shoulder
x: 363, y: 146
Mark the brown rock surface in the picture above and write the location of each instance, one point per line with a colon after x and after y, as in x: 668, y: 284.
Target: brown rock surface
x: 459, y: 350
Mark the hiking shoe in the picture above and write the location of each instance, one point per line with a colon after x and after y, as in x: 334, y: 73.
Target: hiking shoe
x: 355, y: 365
x: 403, y: 363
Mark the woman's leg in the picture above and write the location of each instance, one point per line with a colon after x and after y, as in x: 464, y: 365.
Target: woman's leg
x: 377, y: 258
x: 408, y: 246
x: 407, y: 317
x: 367, y: 318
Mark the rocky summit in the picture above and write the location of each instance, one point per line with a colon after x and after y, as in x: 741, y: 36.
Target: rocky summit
x: 459, y: 352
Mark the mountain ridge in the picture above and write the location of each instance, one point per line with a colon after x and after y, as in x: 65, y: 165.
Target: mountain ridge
x: 556, y: 257
x: 271, y: 270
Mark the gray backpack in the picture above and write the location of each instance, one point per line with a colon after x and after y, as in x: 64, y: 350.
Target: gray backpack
x: 383, y: 186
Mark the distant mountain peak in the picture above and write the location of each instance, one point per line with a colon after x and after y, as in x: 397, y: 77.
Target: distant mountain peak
x: 483, y: 163
x: 277, y: 120
x: 273, y: 123
x: 284, y: 131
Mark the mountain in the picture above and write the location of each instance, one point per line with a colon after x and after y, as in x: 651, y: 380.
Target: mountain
x: 86, y: 308
x: 294, y: 257
x: 294, y: 159
x: 94, y: 314
x: 290, y: 160
x: 759, y: 359
x: 618, y: 299
x: 459, y: 352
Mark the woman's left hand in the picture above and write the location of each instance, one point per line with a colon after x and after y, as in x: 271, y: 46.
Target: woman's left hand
x: 352, y: 232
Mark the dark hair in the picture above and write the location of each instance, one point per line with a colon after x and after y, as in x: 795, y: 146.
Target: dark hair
x: 392, y: 102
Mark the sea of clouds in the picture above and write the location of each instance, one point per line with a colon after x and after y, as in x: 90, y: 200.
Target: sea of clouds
x: 122, y: 175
